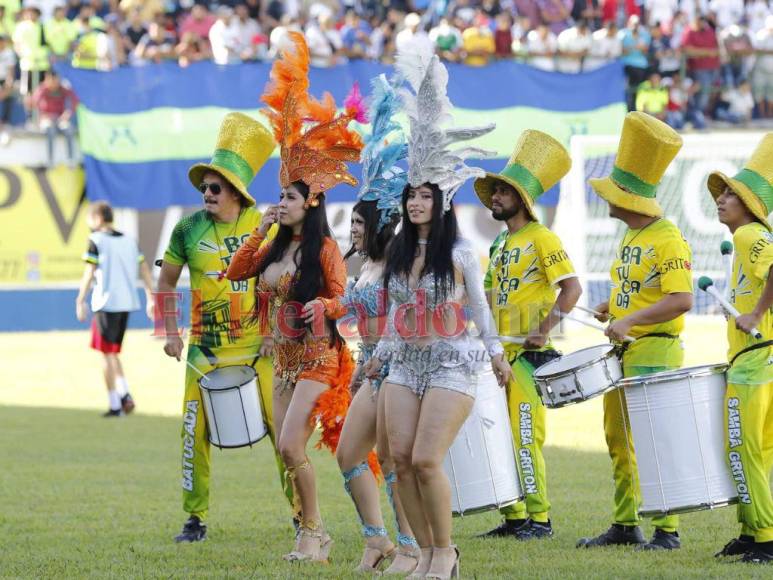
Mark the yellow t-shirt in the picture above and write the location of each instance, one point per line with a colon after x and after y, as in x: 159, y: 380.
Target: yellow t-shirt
x: 651, y: 262
x: 753, y: 257
x: 473, y: 40
x: 524, y: 268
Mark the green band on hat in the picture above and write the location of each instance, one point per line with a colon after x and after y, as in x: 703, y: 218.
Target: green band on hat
x: 633, y: 183
x: 525, y: 179
x: 759, y: 186
x: 235, y: 164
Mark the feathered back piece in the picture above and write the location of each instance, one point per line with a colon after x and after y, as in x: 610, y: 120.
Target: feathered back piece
x: 317, y: 156
x: 382, y: 180
x: 428, y: 108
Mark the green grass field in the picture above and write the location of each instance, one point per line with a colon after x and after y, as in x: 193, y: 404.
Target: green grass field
x: 90, y: 497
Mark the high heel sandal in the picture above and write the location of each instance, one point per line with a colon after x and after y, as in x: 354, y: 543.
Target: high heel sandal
x: 376, y: 555
x: 405, y: 561
x: 422, y: 567
x: 453, y: 572
x: 321, y: 543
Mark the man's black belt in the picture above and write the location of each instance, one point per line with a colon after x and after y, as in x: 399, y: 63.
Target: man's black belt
x: 751, y: 348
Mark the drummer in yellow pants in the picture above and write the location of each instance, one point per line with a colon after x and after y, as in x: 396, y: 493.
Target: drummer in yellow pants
x: 651, y: 290
x: 527, y: 262
x: 744, y: 203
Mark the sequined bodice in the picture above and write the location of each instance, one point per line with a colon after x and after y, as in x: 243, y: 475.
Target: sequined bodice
x: 370, y: 296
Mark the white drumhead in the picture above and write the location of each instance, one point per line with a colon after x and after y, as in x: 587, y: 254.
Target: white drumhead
x: 675, y: 375
x: 228, y: 377
x: 573, y: 360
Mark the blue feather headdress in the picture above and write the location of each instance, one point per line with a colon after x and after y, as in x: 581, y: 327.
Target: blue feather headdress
x: 382, y: 180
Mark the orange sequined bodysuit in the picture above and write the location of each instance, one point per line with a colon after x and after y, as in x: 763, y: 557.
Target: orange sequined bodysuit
x: 311, y: 356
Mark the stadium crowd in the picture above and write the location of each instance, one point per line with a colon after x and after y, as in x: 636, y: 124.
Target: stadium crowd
x: 685, y: 60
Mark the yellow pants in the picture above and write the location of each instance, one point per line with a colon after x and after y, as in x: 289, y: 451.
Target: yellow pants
x: 749, y: 446
x: 195, y: 441
x: 617, y: 429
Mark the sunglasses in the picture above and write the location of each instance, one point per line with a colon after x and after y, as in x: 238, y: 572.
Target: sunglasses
x: 215, y: 188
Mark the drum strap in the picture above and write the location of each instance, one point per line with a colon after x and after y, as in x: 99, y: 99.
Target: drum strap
x: 751, y: 348
x: 621, y: 348
x: 537, y: 358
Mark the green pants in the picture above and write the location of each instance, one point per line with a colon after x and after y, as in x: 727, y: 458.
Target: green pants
x: 195, y: 441
x: 527, y: 420
x: 617, y: 429
x: 749, y: 446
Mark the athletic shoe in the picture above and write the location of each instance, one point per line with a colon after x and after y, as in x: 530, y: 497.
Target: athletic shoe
x: 535, y: 530
x: 616, y: 535
x: 662, y: 540
x: 758, y: 555
x: 505, y: 529
x: 737, y: 547
x: 193, y: 531
x: 127, y: 403
x: 113, y: 413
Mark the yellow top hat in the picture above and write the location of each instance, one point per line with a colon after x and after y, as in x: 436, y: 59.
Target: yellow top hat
x: 243, y: 147
x: 646, y: 148
x: 537, y: 164
x: 753, y: 184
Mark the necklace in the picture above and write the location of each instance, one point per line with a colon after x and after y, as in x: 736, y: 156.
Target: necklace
x: 629, y: 242
x: 221, y: 273
x: 297, y: 237
x: 423, y: 242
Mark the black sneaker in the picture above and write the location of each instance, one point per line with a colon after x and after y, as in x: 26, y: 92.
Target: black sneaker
x: 535, y: 530
x: 616, y: 535
x: 737, y: 547
x: 506, y: 528
x: 127, y: 403
x: 193, y: 531
x: 113, y: 413
x: 662, y: 540
x: 758, y: 555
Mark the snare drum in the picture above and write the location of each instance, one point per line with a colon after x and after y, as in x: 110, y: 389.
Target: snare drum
x: 480, y: 464
x: 232, y: 406
x: 578, y: 376
x: 678, y: 427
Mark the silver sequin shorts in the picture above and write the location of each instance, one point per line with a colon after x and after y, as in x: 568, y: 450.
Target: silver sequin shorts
x: 438, y: 365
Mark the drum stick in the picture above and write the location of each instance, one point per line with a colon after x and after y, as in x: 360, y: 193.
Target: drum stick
x: 588, y: 310
x: 726, y: 249
x: 513, y: 339
x: 591, y: 325
x: 190, y: 364
x: 707, y: 285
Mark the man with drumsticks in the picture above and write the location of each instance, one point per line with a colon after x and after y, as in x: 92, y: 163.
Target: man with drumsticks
x: 651, y: 291
x: 744, y: 203
x: 224, y: 325
x: 527, y: 262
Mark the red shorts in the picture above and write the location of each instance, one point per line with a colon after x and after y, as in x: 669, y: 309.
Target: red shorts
x: 107, y: 330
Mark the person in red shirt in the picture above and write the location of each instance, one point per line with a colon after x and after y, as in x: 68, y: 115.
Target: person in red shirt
x: 56, y: 106
x: 619, y: 11
x: 503, y: 36
x: 699, y: 44
x: 197, y: 24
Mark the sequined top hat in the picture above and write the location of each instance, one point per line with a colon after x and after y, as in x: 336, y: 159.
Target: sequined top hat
x: 243, y: 147
x: 315, y: 142
x: 538, y: 162
x: 753, y: 184
x: 647, y: 147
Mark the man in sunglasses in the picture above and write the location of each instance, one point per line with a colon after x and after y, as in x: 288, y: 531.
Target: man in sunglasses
x: 224, y: 330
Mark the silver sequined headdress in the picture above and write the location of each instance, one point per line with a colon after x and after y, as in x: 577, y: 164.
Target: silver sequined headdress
x: 428, y: 108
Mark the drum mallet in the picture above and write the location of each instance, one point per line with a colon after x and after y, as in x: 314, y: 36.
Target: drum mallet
x: 707, y: 285
x: 513, y: 339
x: 726, y: 249
x: 591, y: 325
x: 197, y: 371
x: 588, y: 310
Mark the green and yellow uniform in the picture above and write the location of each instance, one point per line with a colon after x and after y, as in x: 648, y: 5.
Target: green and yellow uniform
x: 524, y: 268
x: 223, y: 332
x: 652, y: 262
x: 749, y: 399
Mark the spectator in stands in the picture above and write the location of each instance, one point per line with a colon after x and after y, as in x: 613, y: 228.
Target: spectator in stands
x: 115, y: 54
x: 90, y: 47
x: 588, y: 10
x: 73, y: 9
x: 192, y: 48
x: 56, y: 104
x: 541, y: 47
x: 157, y: 45
x: 635, y: 41
x: 762, y: 73
x: 32, y: 53
x: 278, y: 40
x: 478, y: 43
x: 662, y: 56
x: 133, y: 31
x: 7, y: 76
x: 739, y: 104
x: 503, y: 36
x: 557, y: 14
x: 382, y: 41
x: 735, y: 46
x: 652, y: 97
x: 619, y: 11
x: 324, y: 41
x: 528, y: 9
x: 222, y: 38
x: 247, y: 30
x: 681, y: 103
x: 660, y: 12
x: 699, y: 44
x: 355, y: 35
x: 447, y: 40
x: 726, y: 12
x: 411, y: 30
x: 574, y: 45
x: 149, y: 9
x: 756, y: 13
x: 197, y: 24
x: 60, y: 34
x: 606, y: 47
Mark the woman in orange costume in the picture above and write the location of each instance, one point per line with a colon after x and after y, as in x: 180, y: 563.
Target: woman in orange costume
x: 301, y: 273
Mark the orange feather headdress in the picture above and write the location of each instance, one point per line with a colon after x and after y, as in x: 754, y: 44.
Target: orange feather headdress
x: 317, y: 156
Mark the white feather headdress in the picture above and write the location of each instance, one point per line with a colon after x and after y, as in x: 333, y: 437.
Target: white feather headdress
x: 428, y: 108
